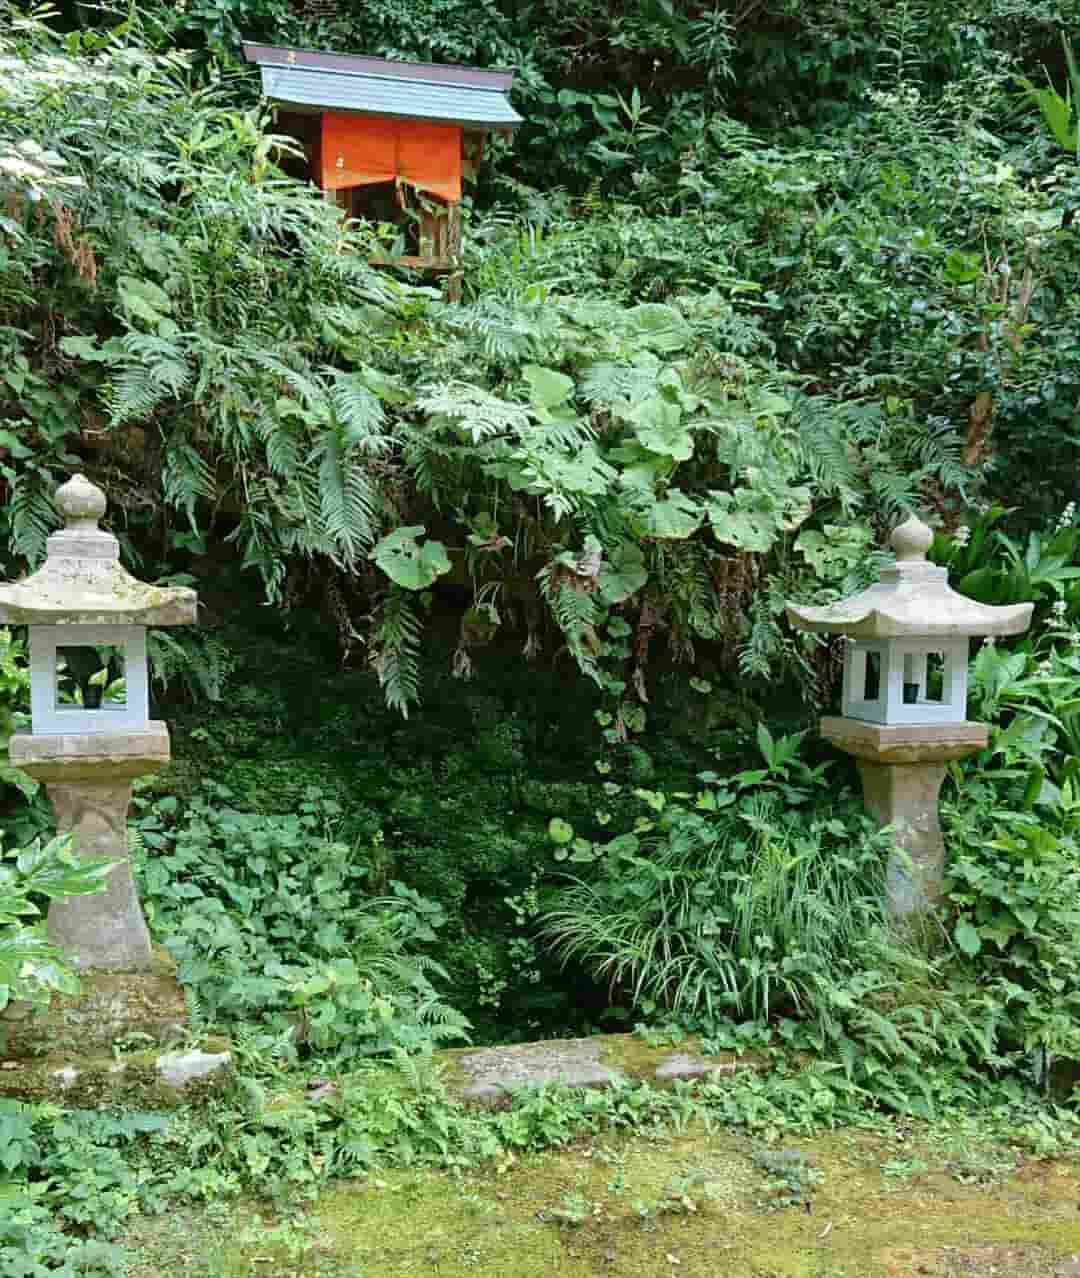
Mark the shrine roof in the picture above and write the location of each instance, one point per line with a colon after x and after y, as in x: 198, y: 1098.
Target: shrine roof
x: 307, y: 80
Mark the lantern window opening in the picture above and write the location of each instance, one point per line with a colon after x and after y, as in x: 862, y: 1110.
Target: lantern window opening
x: 872, y: 676
x: 905, y: 680
x: 90, y: 677
x: 71, y: 665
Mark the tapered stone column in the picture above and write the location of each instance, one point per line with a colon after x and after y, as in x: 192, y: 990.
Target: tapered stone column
x: 902, y: 767
x: 88, y: 778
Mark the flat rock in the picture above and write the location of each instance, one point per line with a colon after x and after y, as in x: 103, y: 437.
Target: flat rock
x: 492, y: 1073
x: 180, y: 1069
x: 64, y: 1077
x: 688, y: 1065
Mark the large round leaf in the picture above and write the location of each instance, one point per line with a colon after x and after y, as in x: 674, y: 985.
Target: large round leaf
x: 623, y: 574
x: 406, y: 562
x: 676, y: 517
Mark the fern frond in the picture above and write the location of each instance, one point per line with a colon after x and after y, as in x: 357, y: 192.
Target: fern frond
x: 33, y: 514
x: 154, y: 370
x: 347, y: 502
x: 473, y: 409
x: 395, y: 649
x: 609, y: 384
x: 358, y: 413
x: 574, y: 610
x: 185, y: 477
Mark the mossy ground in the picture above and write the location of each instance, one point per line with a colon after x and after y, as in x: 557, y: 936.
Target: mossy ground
x: 887, y: 1206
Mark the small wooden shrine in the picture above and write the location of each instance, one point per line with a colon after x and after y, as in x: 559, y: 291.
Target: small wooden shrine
x: 382, y: 138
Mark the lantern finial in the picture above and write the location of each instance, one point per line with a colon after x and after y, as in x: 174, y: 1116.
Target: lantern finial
x: 81, y: 503
x: 911, y: 540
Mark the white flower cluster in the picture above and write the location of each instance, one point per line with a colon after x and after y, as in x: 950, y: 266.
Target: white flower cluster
x: 904, y: 97
x: 1067, y: 516
x: 962, y: 535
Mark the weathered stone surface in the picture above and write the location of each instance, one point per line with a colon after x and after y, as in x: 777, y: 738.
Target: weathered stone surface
x: 180, y: 1069
x: 493, y: 1073
x: 490, y: 1075
x: 902, y: 767
x: 111, y: 1007
x: 912, y: 599
x: 89, y: 780
x: 904, y: 742
x: 147, y: 1079
x: 686, y: 1066
x: 82, y: 581
x: 73, y: 757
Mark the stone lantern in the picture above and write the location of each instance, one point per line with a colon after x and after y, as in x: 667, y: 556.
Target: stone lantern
x: 904, y: 700
x: 91, y: 733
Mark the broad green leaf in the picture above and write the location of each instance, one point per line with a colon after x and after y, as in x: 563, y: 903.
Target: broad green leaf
x: 962, y: 268
x: 547, y: 388
x: 622, y: 573
x: 744, y: 520
x: 967, y: 938
x: 659, y: 428
x: 84, y: 348
x: 144, y: 299
x: 659, y: 327
x: 674, y: 519
x: 769, y: 403
x: 560, y: 831
x: 624, y: 845
x: 22, y: 781
x: 14, y: 445
x: 409, y: 564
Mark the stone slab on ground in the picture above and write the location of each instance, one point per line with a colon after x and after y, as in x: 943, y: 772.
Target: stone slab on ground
x: 111, y: 1008
x: 685, y: 1066
x: 490, y: 1075
x: 181, y: 1070
x: 493, y: 1073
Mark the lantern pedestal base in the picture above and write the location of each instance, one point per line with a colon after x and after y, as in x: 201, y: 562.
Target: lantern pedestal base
x: 88, y: 778
x: 902, y: 767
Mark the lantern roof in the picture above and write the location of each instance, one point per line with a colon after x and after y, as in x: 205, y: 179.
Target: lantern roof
x: 912, y: 599
x: 308, y: 80
x: 82, y: 583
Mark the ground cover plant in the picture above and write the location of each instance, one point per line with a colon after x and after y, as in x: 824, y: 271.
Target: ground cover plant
x: 494, y: 726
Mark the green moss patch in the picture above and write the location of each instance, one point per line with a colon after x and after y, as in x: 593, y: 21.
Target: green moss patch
x: 697, y: 1204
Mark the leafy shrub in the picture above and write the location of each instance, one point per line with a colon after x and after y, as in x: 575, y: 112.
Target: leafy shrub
x: 763, y: 903
x: 1014, y: 885
x: 271, y: 920
x: 31, y: 968
x: 735, y: 906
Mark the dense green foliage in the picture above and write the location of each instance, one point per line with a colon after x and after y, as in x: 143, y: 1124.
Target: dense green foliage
x: 754, y: 281
x: 653, y: 418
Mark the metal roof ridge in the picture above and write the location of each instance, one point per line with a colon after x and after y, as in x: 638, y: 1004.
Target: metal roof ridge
x: 253, y: 48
